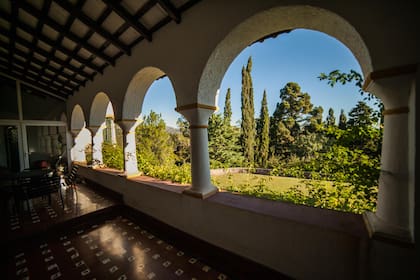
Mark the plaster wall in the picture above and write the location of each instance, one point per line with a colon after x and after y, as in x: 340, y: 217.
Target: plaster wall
x: 300, y: 250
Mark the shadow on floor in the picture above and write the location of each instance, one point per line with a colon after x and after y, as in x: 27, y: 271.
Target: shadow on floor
x: 95, y: 236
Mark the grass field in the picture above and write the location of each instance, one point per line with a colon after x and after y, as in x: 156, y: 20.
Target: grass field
x: 246, y: 182
x: 324, y: 194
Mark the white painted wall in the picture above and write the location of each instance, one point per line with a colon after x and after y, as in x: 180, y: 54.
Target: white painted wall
x: 300, y: 250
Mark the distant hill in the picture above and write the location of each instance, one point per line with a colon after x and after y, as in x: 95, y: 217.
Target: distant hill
x: 172, y: 130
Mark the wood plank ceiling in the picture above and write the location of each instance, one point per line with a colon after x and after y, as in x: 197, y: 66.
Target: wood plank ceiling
x: 59, y: 45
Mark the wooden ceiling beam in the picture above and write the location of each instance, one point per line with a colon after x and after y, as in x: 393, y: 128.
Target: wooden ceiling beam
x: 45, y: 7
x: 57, y: 81
x: 131, y: 20
x: 100, y: 20
x: 93, y: 25
x: 67, y: 33
x: 15, y: 71
x: 37, y: 79
x: 142, y: 11
x: 54, y: 44
x: 170, y: 9
x: 148, y: 5
x: 13, y: 21
x: 71, y: 18
x: 47, y: 66
x: 29, y: 82
x: 27, y: 68
x: 46, y: 54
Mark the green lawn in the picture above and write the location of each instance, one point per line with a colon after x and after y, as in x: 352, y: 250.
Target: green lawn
x: 323, y: 194
x: 249, y: 183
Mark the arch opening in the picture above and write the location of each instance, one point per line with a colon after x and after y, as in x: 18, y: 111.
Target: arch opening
x: 161, y: 141
x: 301, y: 143
x: 273, y: 21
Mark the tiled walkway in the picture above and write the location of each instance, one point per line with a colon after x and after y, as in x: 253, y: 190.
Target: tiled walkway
x: 40, y: 216
x: 46, y: 243
x: 115, y: 249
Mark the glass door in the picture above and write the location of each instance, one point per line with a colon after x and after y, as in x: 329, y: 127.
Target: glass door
x: 9, y: 148
x: 46, y: 145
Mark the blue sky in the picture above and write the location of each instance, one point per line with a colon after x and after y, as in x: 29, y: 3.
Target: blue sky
x: 299, y: 56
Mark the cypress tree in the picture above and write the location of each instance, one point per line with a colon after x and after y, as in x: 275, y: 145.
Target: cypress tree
x: 227, y: 112
x: 342, y: 122
x: 248, y: 122
x: 263, y: 130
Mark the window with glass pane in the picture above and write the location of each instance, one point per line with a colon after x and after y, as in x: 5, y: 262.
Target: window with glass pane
x: 45, y: 145
x: 40, y: 106
x: 9, y: 150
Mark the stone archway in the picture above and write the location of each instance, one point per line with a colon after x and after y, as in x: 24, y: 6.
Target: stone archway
x: 132, y: 106
x: 393, y: 86
x: 100, y: 105
x: 81, y: 135
x: 270, y: 22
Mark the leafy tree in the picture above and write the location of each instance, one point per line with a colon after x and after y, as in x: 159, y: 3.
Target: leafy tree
x: 362, y: 115
x: 280, y: 139
x: 288, y: 118
x: 342, y: 123
x: 263, y: 130
x: 330, y: 120
x: 227, y: 112
x: 294, y: 107
x: 181, y: 148
x: 308, y: 145
x: 315, y: 120
x: 248, y: 121
x: 336, y: 76
x: 181, y: 142
x: 362, y: 132
x: 183, y: 125
x: 156, y: 150
x: 353, y: 76
x: 113, y: 155
x: 224, y: 150
x: 154, y: 144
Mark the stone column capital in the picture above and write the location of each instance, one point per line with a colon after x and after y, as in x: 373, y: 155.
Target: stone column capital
x: 392, y: 85
x: 198, y: 116
x: 94, y: 129
x: 128, y: 125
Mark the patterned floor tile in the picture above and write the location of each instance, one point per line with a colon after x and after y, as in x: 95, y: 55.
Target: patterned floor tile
x: 115, y: 249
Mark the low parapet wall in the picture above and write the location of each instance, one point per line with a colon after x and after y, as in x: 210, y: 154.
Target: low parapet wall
x: 299, y: 241
x: 223, y: 171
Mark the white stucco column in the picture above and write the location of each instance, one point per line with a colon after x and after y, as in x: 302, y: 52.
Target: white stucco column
x: 78, y: 150
x: 113, y: 133
x: 129, y: 146
x: 392, y: 218
x: 97, y: 140
x: 198, y: 116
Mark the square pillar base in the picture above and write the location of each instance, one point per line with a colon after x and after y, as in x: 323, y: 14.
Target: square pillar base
x: 380, y: 229
x: 202, y: 194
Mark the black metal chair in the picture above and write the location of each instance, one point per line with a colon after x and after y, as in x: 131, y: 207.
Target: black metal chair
x: 70, y: 179
x: 38, y: 186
